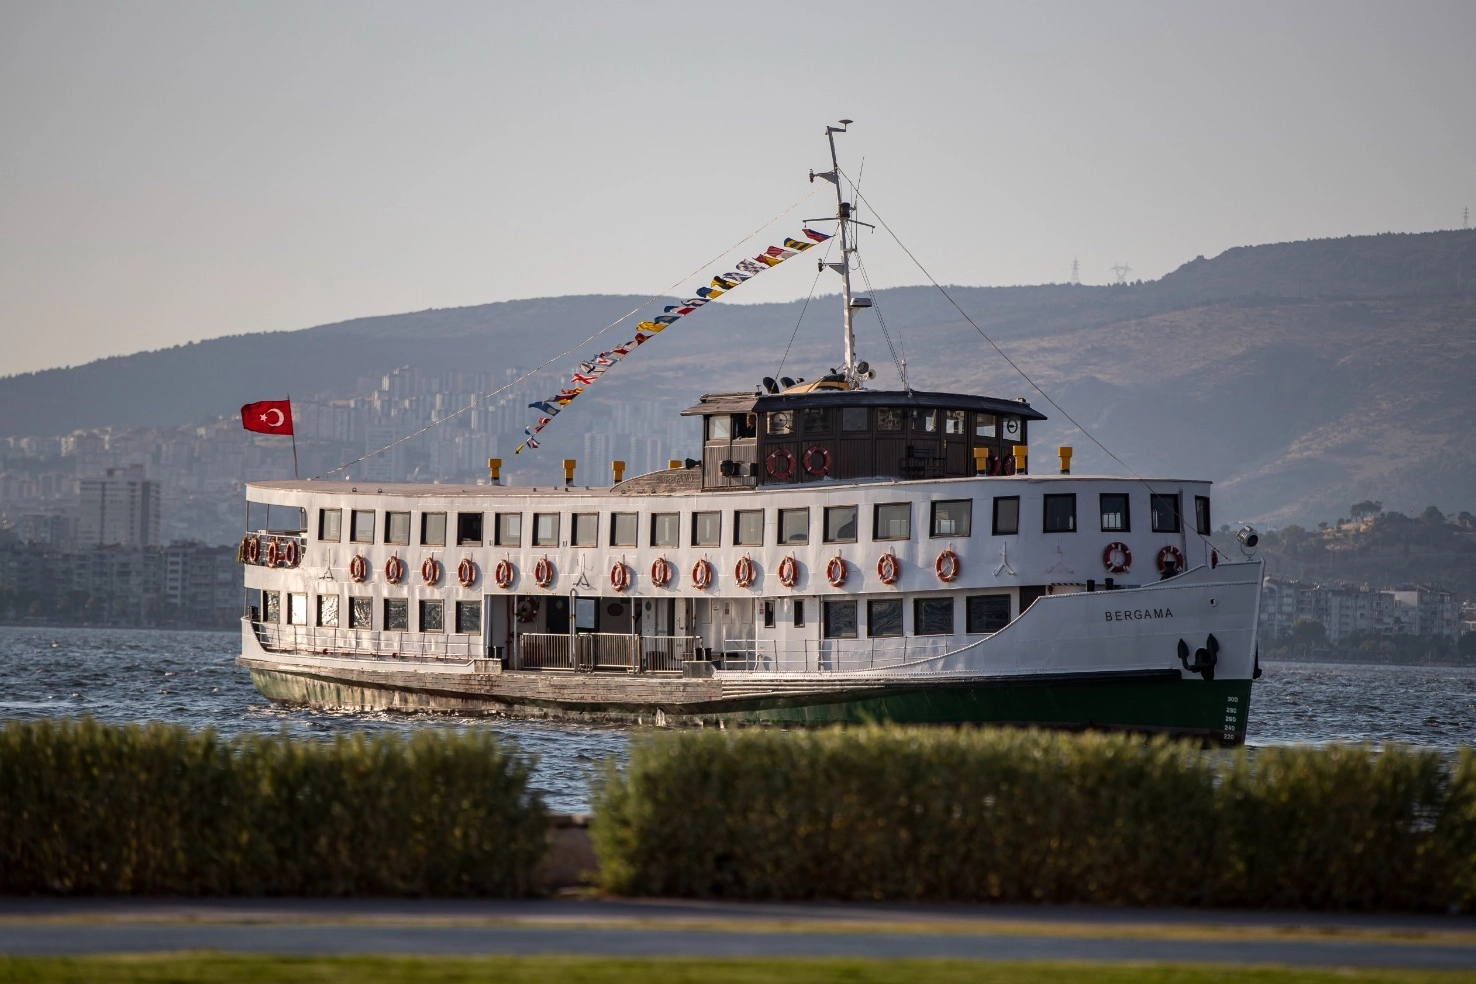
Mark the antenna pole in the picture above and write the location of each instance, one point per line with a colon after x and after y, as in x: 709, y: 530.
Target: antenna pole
x: 847, y: 245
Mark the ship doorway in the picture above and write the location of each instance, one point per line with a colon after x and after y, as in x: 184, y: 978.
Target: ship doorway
x: 497, y: 626
x: 663, y: 617
x: 726, y: 625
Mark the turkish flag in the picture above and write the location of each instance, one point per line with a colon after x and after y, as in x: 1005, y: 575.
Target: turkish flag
x: 268, y: 417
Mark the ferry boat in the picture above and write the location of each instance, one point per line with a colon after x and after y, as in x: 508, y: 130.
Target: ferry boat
x: 837, y: 554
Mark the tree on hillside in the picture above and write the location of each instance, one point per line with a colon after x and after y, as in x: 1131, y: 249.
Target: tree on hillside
x: 1466, y: 520
x: 1366, y: 508
x: 1433, y: 516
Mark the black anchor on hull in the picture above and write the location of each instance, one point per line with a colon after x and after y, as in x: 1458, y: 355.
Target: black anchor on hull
x: 1204, y: 659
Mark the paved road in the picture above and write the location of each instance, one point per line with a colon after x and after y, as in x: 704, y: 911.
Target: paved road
x: 622, y: 928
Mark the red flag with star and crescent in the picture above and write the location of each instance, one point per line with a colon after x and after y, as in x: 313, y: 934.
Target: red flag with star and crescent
x: 268, y: 417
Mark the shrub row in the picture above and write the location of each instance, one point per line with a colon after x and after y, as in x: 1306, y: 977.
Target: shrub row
x: 1025, y: 816
x: 93, y: 809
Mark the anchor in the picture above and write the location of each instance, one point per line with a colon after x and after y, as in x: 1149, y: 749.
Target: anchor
x: 1204, y: 659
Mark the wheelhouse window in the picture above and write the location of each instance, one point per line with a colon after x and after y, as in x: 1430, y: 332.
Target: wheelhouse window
x: 433, y: 529
x: 1115, y: 513
x: 363, y: 526
x: 854, y: 419
x: 271, y: 606
x: 951, y: 517
x: 794, y: 525
x: 1011, y: 429
x: 748, y: 528
x: 361, y: 613
x: 396, y: 614
x: 890, y: 418
x: 328, y: 611
x: 1165, y: 510
x: 624, y: 529
x: 840, y: 524
x: 297, y: 609
x: 586, y: 532
x: 781, y: 422
x: 924, y: 421
x: 838, y: 619
x: 987, y: 613
x: 745, y: 425
x: 986, y: 425
x: 892, y: 521
x: 1059, y: 514
x: 433, y: 616
x: 468, y: 617
x: 884, y: 617
x: 932, y: 616
x: 469, y: 529
x: 330, y: 525
x: 815, y: 420
x: 509, y: 529
x: 719, y: 427
x: 397, y: 527
x: 545, y: 529
x: 953, y: 422
x: 1202, y: 515
x: 707, y: 529
x: 666, y: 529
x: 1006, y: 515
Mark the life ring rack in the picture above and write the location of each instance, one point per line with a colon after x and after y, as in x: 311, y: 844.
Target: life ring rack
x: 702, y: 574
x: 1117, y: 557
x: 888, y: 569
x: 1176, y: 554
x: 835, y: 571
x: 274, y: 552
x: 394, y: 570
x: 777, y: 456
x: 358, y: 569
x: 504, y: 573
x: 543, y: 572
x: 743, y: 572
x: 947, y: 566
x: 430, y: 571
x: 619, y: 576
x: 466, y: 572
x: 823, y: 468
x: 660, y: 572
x: 788, y: 571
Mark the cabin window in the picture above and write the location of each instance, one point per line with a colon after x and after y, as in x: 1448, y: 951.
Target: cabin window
x: 361, y: 613
x: 799, y: 611
x: 951, y: 517
x: 986, y: 425
x: 545, y: 529
x: 854, y: 419
x: 748, y: 527
x: 838, y: 619
x: 1115, y: 513
x: 840, y: 524
x: 892, y: 521
x: 815, y: 420
x: 328, y: 611
x: 297, y: 609
x: 745, y: 425
x: 884, y: 618
x: 433, y: 529
x: 363, y: 526
x: 469, y: 529
x: 1202, y: 515
x: 509, y: 529
x: 890, y: 418
x: 1059, y: 514
x: 665, y: 529
x: 719, y: 427
x: 932, y: 616
x: 1012, y: 430
x: 330, y: 525
x: 707, y: 529
x: 271, y: 606
x: 396, y: 614
x: 396, y: 527
x: 924, y: 421
x: 1006, y: 515
x: 953, y: 422
x: 433, y: 616
x: 468, y: 617
x: 768, y: 614
x: 987, y: 613
x: 623, y: 529
x: 1165, y: 510
x: 794, y: 525
x: 586, y: 530
x: 781, y: 422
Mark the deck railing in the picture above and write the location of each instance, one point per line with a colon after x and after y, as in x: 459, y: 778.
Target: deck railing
x: 831, y: 655
x: 328, y: 641
x: 603, y: 652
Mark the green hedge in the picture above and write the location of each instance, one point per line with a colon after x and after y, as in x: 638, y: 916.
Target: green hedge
x: 1026, y: 816
x: 93, y: 809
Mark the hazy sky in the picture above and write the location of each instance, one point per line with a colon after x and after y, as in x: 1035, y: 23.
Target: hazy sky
x: 176, y: 171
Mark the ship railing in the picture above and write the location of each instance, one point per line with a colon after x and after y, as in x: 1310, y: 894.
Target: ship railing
x: 608, y: 651
x: 665, y: 654
x: 829, y: 655
x: 376, y: 643
x: 603, y: 652
x: 544, y: 651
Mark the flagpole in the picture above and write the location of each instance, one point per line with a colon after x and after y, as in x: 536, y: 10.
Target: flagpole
x: 294, y: 437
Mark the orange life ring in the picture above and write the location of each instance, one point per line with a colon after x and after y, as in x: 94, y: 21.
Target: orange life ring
x: 1112, y: 562
x: 274, y: 552
x: 660, y: 572
x: 543, y: 572
x: 430, y: 570
x: 947, y: 567
x: 701, y: 575
x: 824, y: 466
x: 253, y: 550
x: 466, y: 572
x: 358, y: 568
x: 835, y: 571
x: 887, y: 568
x: 620, y: 576
x: 503, y: 574
x: 394, y: 570
x: 788, y: 571
x: 743, y: 572
x: 290, y: 554
x: 780, y: 455
x: 1007, y: 464
x: 1167, y: 552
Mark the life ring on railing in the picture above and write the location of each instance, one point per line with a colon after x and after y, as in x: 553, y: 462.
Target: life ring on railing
x: 430, y: 570
x: 788, y: 571
x: 527, y: 609
x: 1112, y: 561
x: 1007, y: 464
x: 660, y: 572
x: 1166, y: 553
x: 808, y: 461
x: 241, y: 550
x: 358, y: 569
x: 274, y: 552
x: 887, y: 568
x: 947, y: 567
x: 290, y: 553
x: 777, y: 456
x: 743, y: 572
x: 394, y: 570
x: 253, y: 550
x: 620, y: 576
x: 543, y: 572
x: 503, y: 574
x: 466, y: 572
x: 835, y: 571
x: 702, y: 574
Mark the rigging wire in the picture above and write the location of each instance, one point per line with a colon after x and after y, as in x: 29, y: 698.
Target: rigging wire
x: 820, y: 268
x: 861, y: 267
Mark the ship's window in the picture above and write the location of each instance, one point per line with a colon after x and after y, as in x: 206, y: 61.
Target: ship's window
x: 361, y: 613
x: 987, y: 613
x: 884, y: 618
x: 1165, y: 510
x: 892, y: 521
x: 623, y: 529
x: 838, y: 619
x: 509, y: 529
x: 816, y: 420
x: 840, y: 524
x: 707, y: 529
x: 799, y: 611
x: 665, y: 529
x: 1006, y: 515
x: 297, y: 609
x: 433, y: 529
x: 719, y: 427
x: 951, y: 517
x: 748, y: 527
x: 932, y: 616
x: 469, y: 529
x: 781, y: 422
x: 1059, y: 515
x: 396, y: 527
x: 271, y: 606
x: 1115, y: 513
x: 794, y: 526
x: 1202, y: 515
x: 985, y: 425
x: 433, y: 616
x: 953, y: 422
x: 396, y: 614
x: 854, y: 419
x: 768, y: 614
x: 363, y: 528
x: 925, y: 421
x: 586, y: 530
x: 1012, y: 430
x: 328, y: 611
x: 545, y: 529
x: 330, y: 525
x: 468, y: 617
x: 890, y: 418
x: 745, y: 425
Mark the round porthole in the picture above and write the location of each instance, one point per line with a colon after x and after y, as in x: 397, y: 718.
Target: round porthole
x: 615, y: 608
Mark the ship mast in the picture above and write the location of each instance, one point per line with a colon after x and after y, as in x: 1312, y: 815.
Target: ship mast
x: 845, y: 220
